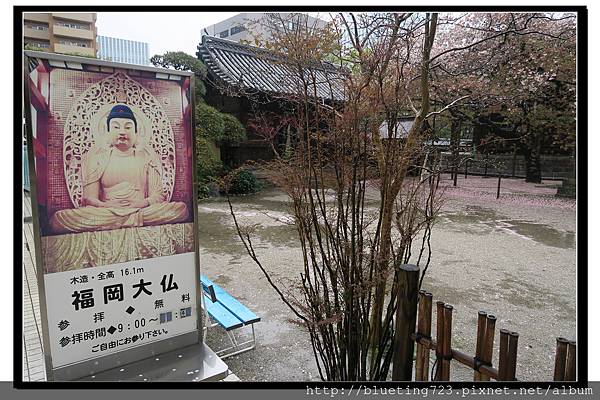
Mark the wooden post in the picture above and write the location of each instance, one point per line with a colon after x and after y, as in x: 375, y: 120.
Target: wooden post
x: 455, y: 176
x: 481, y: 317
x: 503, y: 356
x: 406, y: 316
x: 488, y: 344
x: 560, y: 359
x: 420, y: 329
x: 570, y: 368
x: 466, y: 168
x: 427, y: 311
x: 513, y: 340
x: 439, y: 339
x: 498, y: 191
x: 447, y: 344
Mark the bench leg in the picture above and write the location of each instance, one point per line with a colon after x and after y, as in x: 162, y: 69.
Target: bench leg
x: 237, y: 346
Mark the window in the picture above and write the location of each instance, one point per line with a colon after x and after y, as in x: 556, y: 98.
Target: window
x: 73, y: 43
x: 224, y: 34
x: 237, y: 29
x: 37, y: 27
x: 42, y: 45
x: 73, y: 25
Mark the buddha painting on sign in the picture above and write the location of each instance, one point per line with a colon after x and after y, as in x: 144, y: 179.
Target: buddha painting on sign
x: 121, y: 182
x: 113, y: 167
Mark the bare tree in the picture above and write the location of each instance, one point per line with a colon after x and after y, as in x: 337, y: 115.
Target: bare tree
x: 363, y: 202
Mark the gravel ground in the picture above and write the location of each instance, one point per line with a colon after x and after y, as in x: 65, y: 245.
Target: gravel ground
x: 514, y: 257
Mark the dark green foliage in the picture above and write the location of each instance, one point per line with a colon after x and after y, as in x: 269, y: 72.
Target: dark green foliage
x: 208, y: 165
x: 243, y: 182
x: 180, y: 61
x: 183, y: 62
x: 234, y: 130
x: 209, y: 122
x: 203, y: 191
x: 217, y: 126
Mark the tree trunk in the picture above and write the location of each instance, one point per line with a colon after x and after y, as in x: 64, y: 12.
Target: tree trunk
x: 454, y: 146
x: 532, y: 161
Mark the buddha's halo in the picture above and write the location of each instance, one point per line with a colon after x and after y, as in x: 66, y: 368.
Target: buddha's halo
x: 85, y: 127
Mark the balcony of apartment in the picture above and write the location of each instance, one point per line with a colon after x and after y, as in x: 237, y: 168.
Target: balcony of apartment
x: 37, y: 17
x: 36, y: 33
x: 84, y: 17
x: 64, y: 31
x: 69, y: 49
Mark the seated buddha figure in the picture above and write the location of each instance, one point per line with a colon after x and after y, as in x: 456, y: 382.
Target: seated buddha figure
x: 122, y: 184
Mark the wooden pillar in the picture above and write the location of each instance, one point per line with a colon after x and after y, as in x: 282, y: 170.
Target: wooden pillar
x: 447, y: 347
x: 481, y: 317
x: 560, y: 359
x: 406, y: 316
x: 486, y: 325
x: 488, y: 344
x: 513, y: 338
x: 423, y: 330
x: 570, y: 367
x: 503, y: 356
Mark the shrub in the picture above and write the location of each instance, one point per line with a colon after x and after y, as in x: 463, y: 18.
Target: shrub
x: 209, y: 122
x: 208, y: 164
x: 244, y: 182
x: 203, y: 191
x: 234, y: 131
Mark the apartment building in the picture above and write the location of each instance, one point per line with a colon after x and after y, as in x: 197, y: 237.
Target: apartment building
x: 123, y: 50
x: 67, y: 33
x: 246, y: 27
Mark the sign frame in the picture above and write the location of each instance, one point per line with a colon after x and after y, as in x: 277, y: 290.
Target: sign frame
x: 103, y: 363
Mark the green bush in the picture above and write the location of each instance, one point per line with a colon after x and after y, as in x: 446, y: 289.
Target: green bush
x: 234, y: 131
x: 208, y: 164
x: 244, y: 182
x: 203, y: 191
x: 209, y: 122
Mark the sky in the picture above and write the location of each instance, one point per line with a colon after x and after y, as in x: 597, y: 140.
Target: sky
x: 163, y: 31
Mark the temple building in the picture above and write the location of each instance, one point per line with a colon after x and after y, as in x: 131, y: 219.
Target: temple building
x: 244, y: 80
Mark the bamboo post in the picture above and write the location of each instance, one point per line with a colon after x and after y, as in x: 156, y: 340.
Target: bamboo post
x: 560, y: 360
x: 481, y: 322
x: 488, y: 344
x: 570, y: 368
x: 406, y: 316
x: 447, y: 344
x: 439, y: 339
x: 513, y: 341
x: 503, y: 356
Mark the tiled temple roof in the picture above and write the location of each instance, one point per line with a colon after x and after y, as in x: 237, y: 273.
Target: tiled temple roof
x: 255, y: 69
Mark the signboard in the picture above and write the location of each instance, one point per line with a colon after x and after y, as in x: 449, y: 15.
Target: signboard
x: 114, y: 210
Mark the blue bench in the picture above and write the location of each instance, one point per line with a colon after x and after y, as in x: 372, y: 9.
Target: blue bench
x: 229, y: 314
